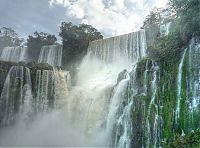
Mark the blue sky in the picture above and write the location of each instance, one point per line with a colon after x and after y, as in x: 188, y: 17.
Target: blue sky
x: 111, y: 17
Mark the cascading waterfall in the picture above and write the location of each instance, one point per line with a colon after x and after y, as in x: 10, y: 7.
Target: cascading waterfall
x: 145, y: 77
x: 124, y: 124
x: 13, y: 54
x: 44, y: 90
x: 93, y: 90
x: 179, y: 84
x: 165, y: 29
x: 129, y: 47
x: 98, y: 111
x: 194, y: 83
x: 17, y: 96
x: 152, y: 131
x: 100, y: 100
x: 114, y: 107
x: 117, y: 102
x: 14, y: 94
x: 62, y: 86
x: 51, y: 54
x: 68, y: 79
x: 26, y: 109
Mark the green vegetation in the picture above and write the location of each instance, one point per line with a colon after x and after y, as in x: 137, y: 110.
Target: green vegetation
x: 36, y: 41
x: 167, y: 51
x: 188, y: 15
x: 8, y: 37
x: 75, y: 41
x: 191, y: 140
x: 167, y: 48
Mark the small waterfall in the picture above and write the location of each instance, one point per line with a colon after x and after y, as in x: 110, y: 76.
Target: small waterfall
x: 13, y: 54
x: 194, y: 84
x: 26, y: 108
x: 68, y: 79
x: 114, y: 108
x: 51, y: 54
x: 165, y: 29
x: 15, y: 95
x: 62, y: 86
x: 145, y: 77
x: 44, y: 90
x: 129, y: 47
x: 123, y: 129
x: 152, y: 120
x: 179, y: 84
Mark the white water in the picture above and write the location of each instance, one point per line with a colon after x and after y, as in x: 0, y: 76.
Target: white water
x: 44, y: 89
x: 13, y: 54
x: 179, y: 86
x: 124, y: 127
x: 129, y: 47
x: 152, y: 132
x: 195, y: 83
x: 145, y: 77
x: 35, y: 123
x: 165, y: 29
x: 14, y: 94
x: 51, y: 54
x: 87, y: 115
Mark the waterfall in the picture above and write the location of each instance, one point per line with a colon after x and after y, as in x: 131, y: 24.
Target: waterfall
x: 51, y: 54
x: 100, y: 100
x: 13, y: 54
x: 97, y: 111
x: 179, y: 84
x: 62, y: 86
x: 123, y: 137
x: 68, y: 79
x: 15, y: 94
x: 165, y: 29
x: 194, y: 84
x: 18, y: 99
x: 44, y: 90
x: 115, y: 102
x: 129, y: 47
x: 145, y: 77
x: 26, y: 108
x: 88, y: 101
x: 152, y: 129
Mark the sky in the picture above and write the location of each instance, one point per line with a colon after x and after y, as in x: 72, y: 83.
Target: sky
x: 110, y: 17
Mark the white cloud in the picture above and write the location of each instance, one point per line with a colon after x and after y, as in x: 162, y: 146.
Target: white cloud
x: 161, y: 3
x: 117, y: 17
x: 76, y: 11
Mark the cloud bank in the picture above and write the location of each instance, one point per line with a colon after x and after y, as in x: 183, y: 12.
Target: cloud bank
x: 113, y: 17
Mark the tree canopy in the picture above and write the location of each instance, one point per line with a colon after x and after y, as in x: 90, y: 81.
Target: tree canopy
x: 36, y: 41
x: 188, y: 14
x: 75, y: 40
x: 8, y: 37
x: 159, y: 16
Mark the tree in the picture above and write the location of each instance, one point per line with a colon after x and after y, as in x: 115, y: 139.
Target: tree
x: 76, y: 40
x: 188, y: 14
x: 36, y: 41
x: 159, y: 16
x: 8, y: 37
